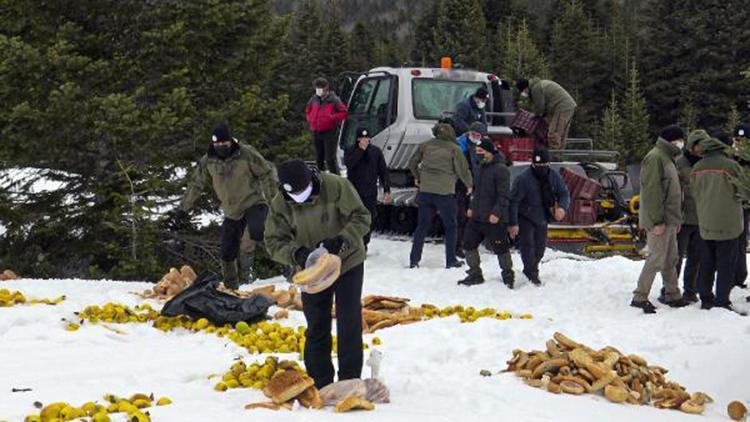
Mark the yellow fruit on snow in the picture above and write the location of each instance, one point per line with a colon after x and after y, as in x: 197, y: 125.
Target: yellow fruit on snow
x: 72, y: 327
x: 163, y: 401
x: 32, y: 418
x: 242, y: 327
x: 232, y: 383
x: 376, y: 341
x: 139, y: 417
x: 201, y: 324
x: 52, y: 410
x: 220, y: 387
x: 113, y: 408
x: 139, y: 396
x: 142, y: 403
x: 100, y: 417
x: 126, y: 406
x: 89, y: 408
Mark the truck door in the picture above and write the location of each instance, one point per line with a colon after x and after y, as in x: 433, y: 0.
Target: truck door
x: 372, y: 106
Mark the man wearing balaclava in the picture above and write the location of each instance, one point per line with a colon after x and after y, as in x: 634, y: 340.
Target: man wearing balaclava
x: 660, y: 215
x: 539, y: 196
x: 321, y: 209
x: 244, y: 182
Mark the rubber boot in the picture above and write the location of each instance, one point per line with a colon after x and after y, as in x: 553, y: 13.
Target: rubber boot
x: 506, y: 265
x: 231, y: 274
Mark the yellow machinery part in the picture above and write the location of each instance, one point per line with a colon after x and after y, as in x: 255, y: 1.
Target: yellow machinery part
x: 635, y: 204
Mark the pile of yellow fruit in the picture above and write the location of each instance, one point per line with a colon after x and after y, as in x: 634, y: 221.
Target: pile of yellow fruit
x: 261, y: 337
x: 256, y: 375
x: 11, y: 298
x: 61, y: 411
x: 469, y: 314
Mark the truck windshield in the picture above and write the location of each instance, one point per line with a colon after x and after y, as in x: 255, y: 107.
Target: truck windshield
x: 432, y: 97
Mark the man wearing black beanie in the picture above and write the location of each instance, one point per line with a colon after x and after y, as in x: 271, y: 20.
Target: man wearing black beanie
x: 661, y: 216
x: 322, y: 209
x: 244, y: 183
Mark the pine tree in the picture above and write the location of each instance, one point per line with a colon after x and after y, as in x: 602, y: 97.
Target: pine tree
x: 688, y: 116
x: 362, y: 48
x: 635, y: 129
x: 733, y: 119
x: 706, y: 66
x: 335, y: 49
x: 424, y: 50
x: 612, y: 127
x: 461, y: 33
x: 518, y: 55
x: 578, y: 64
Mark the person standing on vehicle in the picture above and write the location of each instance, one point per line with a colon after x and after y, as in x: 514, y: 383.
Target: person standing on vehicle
x: 720, y: 221
x: 324, y: 111
x: 539, y: 196
x: 470, y: 110
x: 244, y: 182
x: 365, y: 165
x: 318, y: 209
x: 554, y: 104
x: 437, y: 165
x: 489, y: 215
x: 468, y: 143
x: 661, y: 216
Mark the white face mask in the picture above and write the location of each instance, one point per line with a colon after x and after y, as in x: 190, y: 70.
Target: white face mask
x: 524, y: 94
x: 303, y: 196
x: 475, y: 141
x: 679, y: 144
x: 481, y: 104
x: 319, y: 92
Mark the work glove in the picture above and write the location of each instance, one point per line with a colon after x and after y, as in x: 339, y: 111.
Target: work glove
x: 300, y: 256
x: 177, y: 220
x: 333, y: 244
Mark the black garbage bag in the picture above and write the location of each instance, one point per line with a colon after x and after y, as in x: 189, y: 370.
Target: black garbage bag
x: 202, y: 300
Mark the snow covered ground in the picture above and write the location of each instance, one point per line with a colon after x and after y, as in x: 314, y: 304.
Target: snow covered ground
x: 432, y: 368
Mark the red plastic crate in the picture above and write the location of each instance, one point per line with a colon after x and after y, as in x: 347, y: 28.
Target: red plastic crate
x: 580, y: 186
x: 582, y: 212
x: 533, y: 125
x: 516, y: 149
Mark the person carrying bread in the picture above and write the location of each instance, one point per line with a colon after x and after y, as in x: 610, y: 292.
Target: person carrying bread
x: 322, y: 209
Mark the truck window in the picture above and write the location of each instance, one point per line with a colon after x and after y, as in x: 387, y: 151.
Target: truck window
x: 371, y: 107
x: 432, y: 97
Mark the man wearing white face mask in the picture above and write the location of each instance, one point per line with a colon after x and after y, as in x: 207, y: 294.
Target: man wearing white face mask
x: 470, y: 110
x: 319, y: 209
x: 323, y: 112
x: 554, y: 104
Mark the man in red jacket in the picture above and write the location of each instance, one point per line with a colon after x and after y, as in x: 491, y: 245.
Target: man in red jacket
x: 324, y: 111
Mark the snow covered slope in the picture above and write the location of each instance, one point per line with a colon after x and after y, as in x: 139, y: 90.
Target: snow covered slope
x: 432, y: 367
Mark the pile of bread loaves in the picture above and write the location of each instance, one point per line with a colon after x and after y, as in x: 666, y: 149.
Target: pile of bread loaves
x: 570, y: 367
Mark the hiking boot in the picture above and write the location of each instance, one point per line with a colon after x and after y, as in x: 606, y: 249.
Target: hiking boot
x: 455, y: 264
x: 677, y: 303
x: 690, y: 297
x: 707, y: 304
x: 742, y: 285
x: 460, y: 253
x: 472, y: 279
x: 414, y: 265
x: 646, y: 306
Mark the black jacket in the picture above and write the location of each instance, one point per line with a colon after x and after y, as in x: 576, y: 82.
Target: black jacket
x: 527, y: 200
x: 491, y: 191
x: 364, y: 168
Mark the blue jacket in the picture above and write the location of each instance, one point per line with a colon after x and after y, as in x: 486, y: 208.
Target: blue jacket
x: 526, y: 197
x: 465, y: 114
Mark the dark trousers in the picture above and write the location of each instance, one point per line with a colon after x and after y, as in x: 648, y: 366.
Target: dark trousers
x: 740, y: 274
x: 325, y: 150
x: 254, y: 221
x: 689, y: 249
x: 532, y: 242
x: 371, y: 203
x: 462, y: 205
x: 496, y: 235
x: 429, y: 204
x: 719, y: 258
x: 317, y: 309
